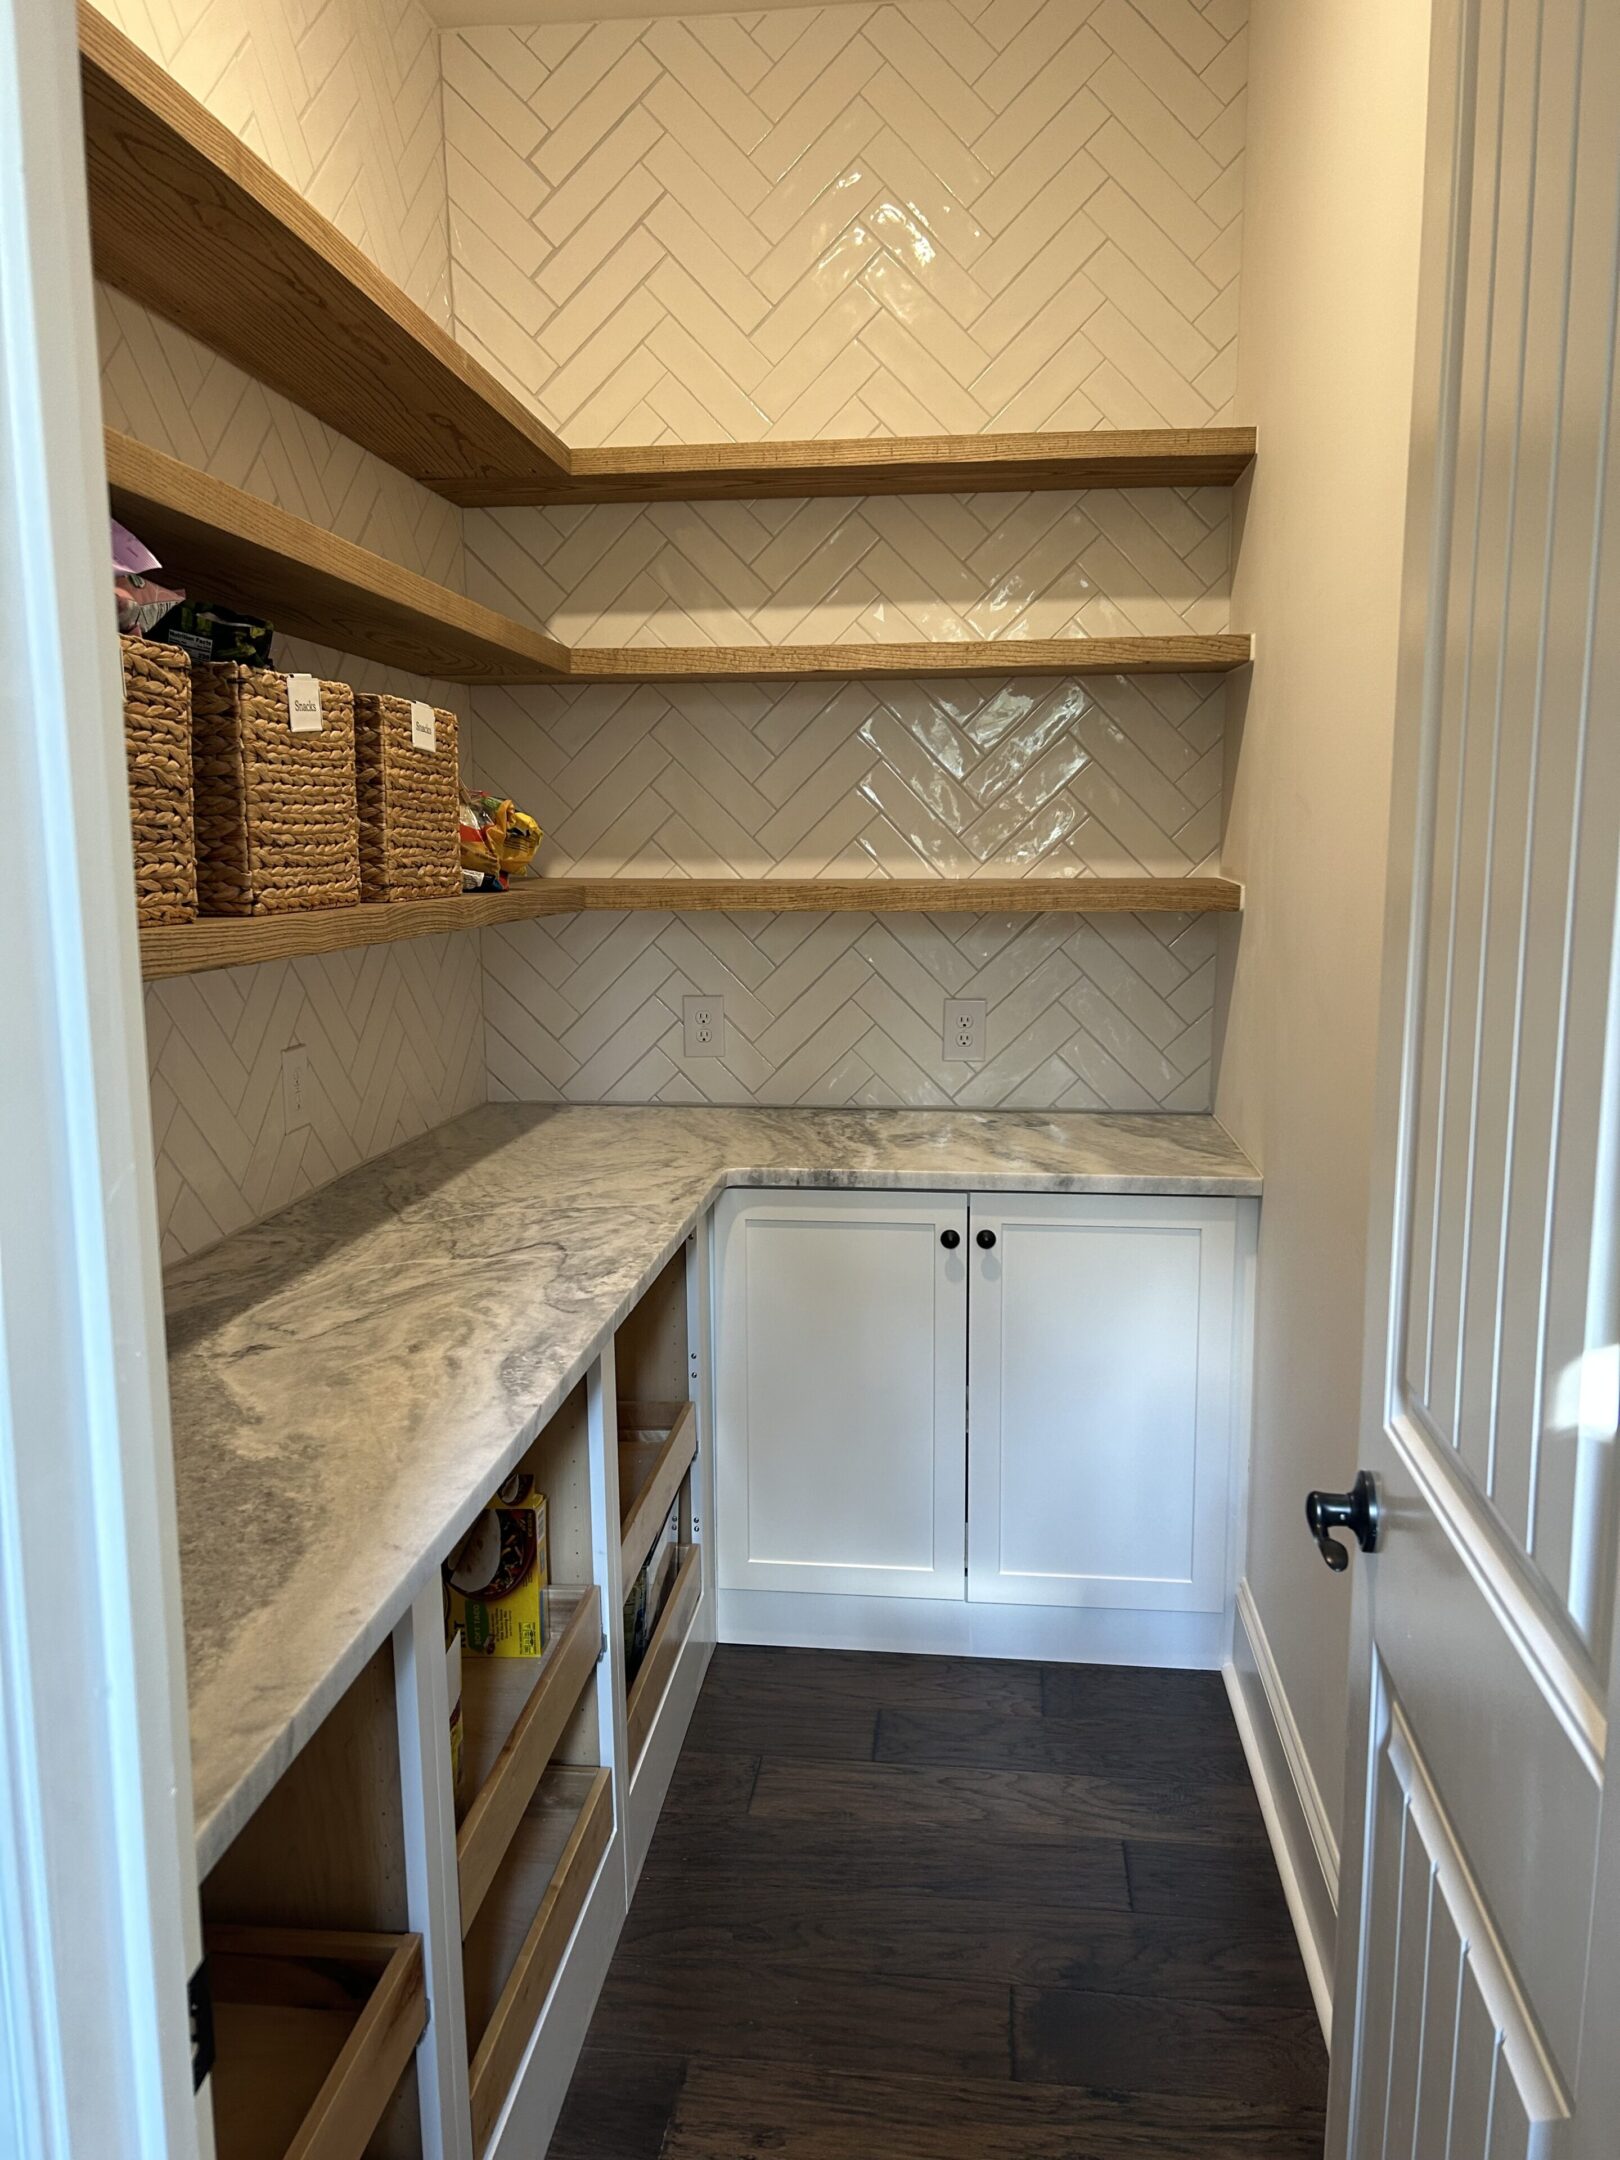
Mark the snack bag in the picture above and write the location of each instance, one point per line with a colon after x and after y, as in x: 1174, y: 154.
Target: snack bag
x: 498, y: 842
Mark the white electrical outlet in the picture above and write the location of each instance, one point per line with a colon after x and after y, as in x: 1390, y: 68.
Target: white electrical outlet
x: 962, y: 1040
x: 294, y: 1088
x: 704, y: 1021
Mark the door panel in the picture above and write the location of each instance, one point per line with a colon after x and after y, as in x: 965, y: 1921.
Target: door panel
x: 1482, y: 1685
x: 1100, y: 1360
x: 1450, y: 2061
x: 840, y: 1392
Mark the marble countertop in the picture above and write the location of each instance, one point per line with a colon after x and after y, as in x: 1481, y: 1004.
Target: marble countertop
x: 351, y: 1378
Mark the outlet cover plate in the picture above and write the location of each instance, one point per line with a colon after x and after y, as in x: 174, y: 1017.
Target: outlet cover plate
x: 703, y: 1023
x: 962, y: 1038
x: 294, y: 1088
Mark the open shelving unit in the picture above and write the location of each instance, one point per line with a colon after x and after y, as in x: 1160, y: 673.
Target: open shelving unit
x: 171, y: 186
x: 535, y: 1812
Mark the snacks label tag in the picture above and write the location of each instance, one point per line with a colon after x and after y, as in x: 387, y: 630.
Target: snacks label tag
x: 304, y: 704
x: 424, y: 727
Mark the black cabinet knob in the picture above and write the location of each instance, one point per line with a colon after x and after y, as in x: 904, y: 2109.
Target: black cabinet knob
x: 1355, y: 1511
x: 985, y: 1239
x: 950, y: 1239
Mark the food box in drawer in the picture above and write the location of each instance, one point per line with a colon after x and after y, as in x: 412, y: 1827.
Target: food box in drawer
x: 500, y: 1573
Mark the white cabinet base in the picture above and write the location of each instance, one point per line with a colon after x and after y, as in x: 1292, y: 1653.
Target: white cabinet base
x: 1058, y: 1635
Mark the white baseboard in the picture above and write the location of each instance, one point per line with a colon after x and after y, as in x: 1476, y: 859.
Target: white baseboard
x: 1298, y: 1824
x: 952, y: 1627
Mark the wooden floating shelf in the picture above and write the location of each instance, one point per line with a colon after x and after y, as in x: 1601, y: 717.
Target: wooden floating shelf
x: 217, y: 538
x: 187, y: 220
x: 515, y: 1946
x: 195, y: 948
x: 514, y: 1712
x: 657, y: 1446
x: 314, y: 2030
x: 658, y: 1660
x: 1216, y: 655
x: 295, y: 304
x: 890, y: 465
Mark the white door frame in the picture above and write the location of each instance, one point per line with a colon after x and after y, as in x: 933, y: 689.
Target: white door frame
x: 98, y: 1904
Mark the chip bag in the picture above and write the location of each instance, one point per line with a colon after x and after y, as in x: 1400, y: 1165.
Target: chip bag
x: 498, y: 842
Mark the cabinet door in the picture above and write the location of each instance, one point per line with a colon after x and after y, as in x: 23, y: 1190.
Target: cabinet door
x: 841, y: 1392
x: 1101, y: 1361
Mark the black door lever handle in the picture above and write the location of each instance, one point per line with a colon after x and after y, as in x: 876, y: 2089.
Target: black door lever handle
x: 1355, y: 1511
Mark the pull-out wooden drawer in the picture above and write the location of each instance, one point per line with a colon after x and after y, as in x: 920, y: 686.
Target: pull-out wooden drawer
x: 513, y: 1715
x: 313, y: 2030
x: 657, y: 1447
x: 516, y: 1944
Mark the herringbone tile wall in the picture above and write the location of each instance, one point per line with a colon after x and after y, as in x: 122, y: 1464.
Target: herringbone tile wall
x: 946, y: 215
x: 395, y: 1041
x: 343, y: 98
x: 942, y: 216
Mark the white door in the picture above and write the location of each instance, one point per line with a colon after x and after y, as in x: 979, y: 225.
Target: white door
x: 1100, y: 1363
x: 1484, y: 1681
x: 840, y: 1392
x: 98, y: 1891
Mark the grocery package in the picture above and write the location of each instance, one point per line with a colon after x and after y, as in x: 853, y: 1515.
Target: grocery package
x: 141, y: 603
x: 500, y: 1572
x: 498, y: 842
x: 647, y: 1594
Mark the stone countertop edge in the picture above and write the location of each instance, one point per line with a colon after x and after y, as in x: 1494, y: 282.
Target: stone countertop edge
x: 249, y: 1719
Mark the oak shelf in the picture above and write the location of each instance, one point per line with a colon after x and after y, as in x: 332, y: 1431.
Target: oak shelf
x: 195, y: 948
x: 298, y: 306
x: 218, y: 539
x: 215, y: 537
x: 1212, y: 655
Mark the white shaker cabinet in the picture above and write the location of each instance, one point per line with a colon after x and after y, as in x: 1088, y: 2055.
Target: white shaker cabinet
x: 842, y: 1332
x: 1004, y: 1402
x: 1100, y: 1349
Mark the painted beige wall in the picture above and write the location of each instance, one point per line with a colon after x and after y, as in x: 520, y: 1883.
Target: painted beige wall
x: 1335, y: 138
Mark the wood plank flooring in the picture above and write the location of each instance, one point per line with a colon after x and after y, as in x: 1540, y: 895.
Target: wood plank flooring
x: 904, y: 1908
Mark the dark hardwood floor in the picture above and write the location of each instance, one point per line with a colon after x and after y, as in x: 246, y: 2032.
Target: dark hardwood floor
x: 905, y: 1908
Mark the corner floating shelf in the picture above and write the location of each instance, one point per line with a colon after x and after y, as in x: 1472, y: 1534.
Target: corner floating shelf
x: 211, y: 535
x: 207, y: 532
x: 195, y: 948
x: 295, y: 304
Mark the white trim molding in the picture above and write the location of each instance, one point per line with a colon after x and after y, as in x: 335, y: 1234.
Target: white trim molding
x: 1297, y: 1821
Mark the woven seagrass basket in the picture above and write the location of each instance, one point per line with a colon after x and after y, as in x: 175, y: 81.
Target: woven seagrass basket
x: 409, y: 803
x: 157, y: 742
x: 277, y: 829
